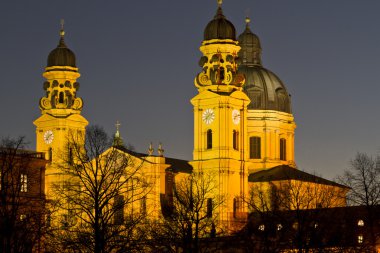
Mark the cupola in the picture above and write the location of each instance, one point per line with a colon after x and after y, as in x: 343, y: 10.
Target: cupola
x: 219, y: 28
x: 61, y: 55
x: 262, y: 86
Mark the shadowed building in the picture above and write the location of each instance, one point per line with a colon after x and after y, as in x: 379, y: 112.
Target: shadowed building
x: 22, y: 200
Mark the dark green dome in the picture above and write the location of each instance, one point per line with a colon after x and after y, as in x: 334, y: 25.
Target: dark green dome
x: 265, y: 89
x: 219, y: 28
x: 61, y: 56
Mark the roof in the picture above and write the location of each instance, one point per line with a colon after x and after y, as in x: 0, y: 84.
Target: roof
x: 265, y: 89
x: 61, y: 56
x: 176, y: 165
x: 219, y: 28
x: 285, y: 172
x: 262, y: 86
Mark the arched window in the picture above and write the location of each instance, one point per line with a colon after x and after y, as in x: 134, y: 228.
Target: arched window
x: 61, y: 97
x: 118, y: 206
x: 221, y: 74
x: 255, y: 147
x: 235, y: 207
x: 143, y: 206
x: 209, y: 208
x: 235, y: 139
x: 209, y: 139
x: 70, y: 156
x: 283, y: 149
x: 50, y: 154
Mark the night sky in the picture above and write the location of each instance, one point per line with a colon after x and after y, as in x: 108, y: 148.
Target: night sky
x: 138, y: 60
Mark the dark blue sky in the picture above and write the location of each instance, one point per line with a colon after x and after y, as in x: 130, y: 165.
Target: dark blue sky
x: 138, y: 60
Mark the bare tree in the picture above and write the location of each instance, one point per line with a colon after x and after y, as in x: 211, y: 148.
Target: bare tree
x: 22, y: 199
x: 192, y: 216
x: 97, y: 197
x: 363, y: 177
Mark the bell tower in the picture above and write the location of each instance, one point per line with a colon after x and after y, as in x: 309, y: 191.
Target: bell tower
x: 60, y: 107
x: 220, y: 116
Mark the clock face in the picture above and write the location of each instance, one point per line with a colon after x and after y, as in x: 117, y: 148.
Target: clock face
x: 236, y: 116
x: 48, y: 136
x: 208, y: 116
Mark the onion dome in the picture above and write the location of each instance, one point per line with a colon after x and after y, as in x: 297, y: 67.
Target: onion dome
x: 265, y: 90
x: 62, y: 55
x: 251, y: 44
x: 219, y: 28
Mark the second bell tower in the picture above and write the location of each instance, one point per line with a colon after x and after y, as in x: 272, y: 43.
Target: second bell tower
x: 220, y: 116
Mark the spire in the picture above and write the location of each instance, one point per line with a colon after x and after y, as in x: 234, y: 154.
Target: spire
x: 62, y: 34
x: 247, y: 22
x: 219, y: 12
x: 117, y: 140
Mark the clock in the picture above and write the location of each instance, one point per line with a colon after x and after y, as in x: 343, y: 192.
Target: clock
x: 235, y: 116
x: 48, y: 136
x: 208, y: 116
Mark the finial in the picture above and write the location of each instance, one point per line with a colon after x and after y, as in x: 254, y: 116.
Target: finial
x: 62, y: 32
x: 151, y: 149
x: 219, y: 12
x: 118, y: 140
x: 117, y: 134
x: 247, y: 20
x: 160, y: 150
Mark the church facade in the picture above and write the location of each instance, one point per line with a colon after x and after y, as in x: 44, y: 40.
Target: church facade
x: 243, y: 123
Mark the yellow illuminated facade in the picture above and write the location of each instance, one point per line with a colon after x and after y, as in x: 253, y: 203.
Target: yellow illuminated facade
x: 275, y: 131
x: 243, y: 122
x: 60, y: 109
x: 220, y: 116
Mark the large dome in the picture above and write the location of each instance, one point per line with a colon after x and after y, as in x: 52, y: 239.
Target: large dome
x: 219, y: 28
x: 61, y: 56
x: 262, y: 86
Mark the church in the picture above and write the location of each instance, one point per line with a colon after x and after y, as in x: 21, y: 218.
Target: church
x: 244, y: 128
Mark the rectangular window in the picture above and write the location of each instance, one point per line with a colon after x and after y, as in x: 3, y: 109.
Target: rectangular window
x: 209, y: 139
x: 255, y: 147
x: 283, y: 149
x: 235, y: 139
x: 118, y: 207
x: 209, y: 208
x: 24, y: 183
x: 235, y: 207
x: 143, y: 205
x: 360, y: 239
